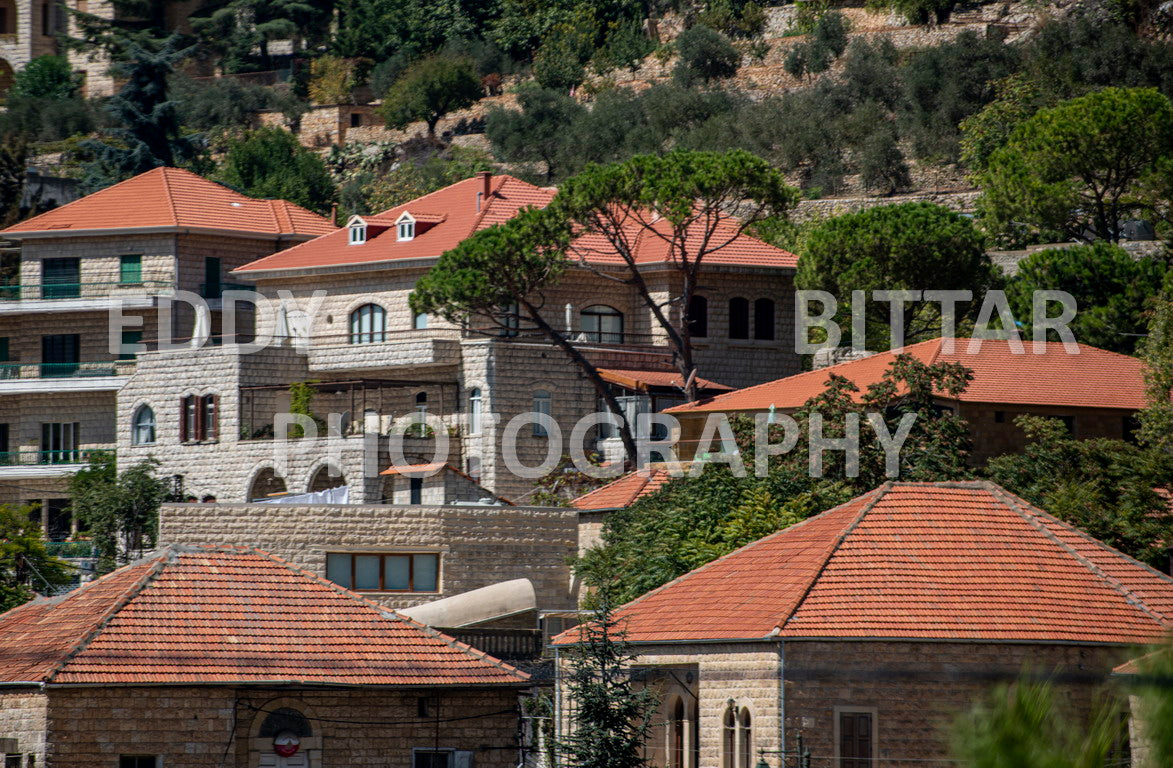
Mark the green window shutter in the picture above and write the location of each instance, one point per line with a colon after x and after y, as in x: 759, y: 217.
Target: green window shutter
x: 130, y: 270
x: 129, y: 338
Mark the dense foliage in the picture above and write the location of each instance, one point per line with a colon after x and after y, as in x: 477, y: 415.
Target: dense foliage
x: 430, y: 89
x: 271, y: 163
x: 26, y: 568
x: 121, y: 509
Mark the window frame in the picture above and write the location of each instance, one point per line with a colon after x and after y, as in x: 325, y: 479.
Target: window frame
x: 765, y: 331
x: 739, y: 318
x: 135, y: 426
x: 134, y: 260
x: 357, y: 234
x: 411, y: 573
x: 405, y: 228
x: 698, y: 316
x: 199, y: 418
x: 542, y: 401
x: 368, y: 333
x: 598, y: 335
x: 476, y: 412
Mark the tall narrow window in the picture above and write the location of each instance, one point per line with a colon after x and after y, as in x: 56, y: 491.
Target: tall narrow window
x: 415, y: 490
x: 130, y: 270
x: 368, y: 324
x: 602, y: 324
x: 678, y: 746
x: 209, y: 418
x: 541, y: 407
x: 46, y: 19
x: 728, y: 738
x: 474, y: 411
x: 855, y: 740
x: 738, y: 318
x: 744, y: 739
x: 698, y: 317
x: 763, y: 319
x: 212, y: 289
x: 143, y: 426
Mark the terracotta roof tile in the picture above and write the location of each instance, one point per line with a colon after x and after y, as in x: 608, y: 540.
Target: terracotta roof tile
x: 623, y: 491
x: 641, y: 380
x: 173, y: 197
x: 459, y: 210
x: 228, y: 614
x: 1094, y: 378
x: 965, y: 561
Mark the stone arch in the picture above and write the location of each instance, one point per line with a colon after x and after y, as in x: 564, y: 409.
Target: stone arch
x: 265, y: 482
x: 326, y: 476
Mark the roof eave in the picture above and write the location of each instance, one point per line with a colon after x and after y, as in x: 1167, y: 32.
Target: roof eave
x: 48, y: 234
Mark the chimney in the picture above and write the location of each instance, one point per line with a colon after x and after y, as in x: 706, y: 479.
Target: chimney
x: 487, y: 183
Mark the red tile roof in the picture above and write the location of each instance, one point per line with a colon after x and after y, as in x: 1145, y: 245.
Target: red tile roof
x: 175, y: 198
x: 957, y: 561
x: 228, y: 615
x: 641, y: 380
x: 623, y: 491
x: 459, y: 210
x: 1094, y: 378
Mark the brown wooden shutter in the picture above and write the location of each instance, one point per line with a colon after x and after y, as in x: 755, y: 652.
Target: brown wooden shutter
x: 183, y: 419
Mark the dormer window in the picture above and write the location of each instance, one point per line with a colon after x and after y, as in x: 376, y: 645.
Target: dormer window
x: 405, y: 227
x: 358, y: 230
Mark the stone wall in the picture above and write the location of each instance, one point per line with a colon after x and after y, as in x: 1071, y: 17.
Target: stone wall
x: 916, y: 689
x: 24, y: 717
x: 995, y: 433
x: 478, y: 545
x: 194, y: 727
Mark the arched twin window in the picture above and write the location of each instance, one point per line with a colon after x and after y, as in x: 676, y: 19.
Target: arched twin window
x: 368, y: 324
x: 737, y: 739
x: 602, y: 324
x: 143, y: 426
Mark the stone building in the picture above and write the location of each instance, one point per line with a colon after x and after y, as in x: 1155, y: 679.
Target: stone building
x: 454, y: 549
x: 1095, y: 392
x: 341, y: 335
x: 229, y: 656
x: 861, y: 632
x: 131, y: 250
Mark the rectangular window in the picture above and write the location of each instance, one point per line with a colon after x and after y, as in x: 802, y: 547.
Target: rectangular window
x: 199, y: 418
x: 4, y: 444
x: 855, y: 739
x: 139, y: 761
x: 415, y: 488
x: 130, y: 340
x: 59, y: 354
x: 60, y: 278
x: 211, y: 277
x: 12, y: 761
x: 59, y: 442
x: 130, y: 270
x: 394, y: 572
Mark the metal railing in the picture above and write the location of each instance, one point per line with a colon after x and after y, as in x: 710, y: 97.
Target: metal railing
x: 11, y: 371
x: 86, y: 290
x: 35, y: 458
x: 216, y: 290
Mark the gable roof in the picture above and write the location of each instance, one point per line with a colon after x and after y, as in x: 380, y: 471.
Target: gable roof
x: 173, y: 198
x: 623, y: 491
x: 1094, y: 378
x: 956, y: 561
x: 448, y: 216
x: 228, y: 615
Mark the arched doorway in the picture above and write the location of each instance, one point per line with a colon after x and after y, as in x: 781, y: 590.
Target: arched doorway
x: 325, y: 479
x: 267, y: 483
x: 285, y: 738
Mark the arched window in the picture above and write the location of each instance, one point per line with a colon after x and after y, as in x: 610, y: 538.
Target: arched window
x: 285, y: 719
x: 738, y: 318
x: 368, y: 324
x: 542, y: 406
x: 325, y: 478
x: 698, y: 317
x: 474, y: 411
x: 420, y: 321
x: 676, y: 760
x: 745, y: 739
x: 267, y: 483
x: 602, y: 324
x: 143, y: 426
x: 729, y: 738
x: 763, y: 319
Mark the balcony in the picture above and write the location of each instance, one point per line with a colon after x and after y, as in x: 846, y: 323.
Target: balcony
x: 31, y: 464
x: 33, y: 378
x: 80, y: 297
x: 388, y: 350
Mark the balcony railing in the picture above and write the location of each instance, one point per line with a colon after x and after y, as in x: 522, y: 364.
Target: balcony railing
x: 34, y: 458
x: 86, y: 290
x: 216, y: 290
x: 10, y: 371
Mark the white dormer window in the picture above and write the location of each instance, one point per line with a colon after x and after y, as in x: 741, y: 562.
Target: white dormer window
x: 358, y: 230
x: 405, y: 227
